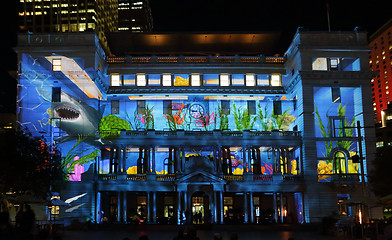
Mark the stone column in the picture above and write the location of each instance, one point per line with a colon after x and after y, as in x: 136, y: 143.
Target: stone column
x: 125, y: 207
x: 252, y: 217
x: 153, y: 160
x: 246, y: 210
x: 221, y: 206
x: 154, y: 207
x: 179, y: 208
x: 124, y: 160
x: 281, y: 207
x: 215, y: 210
x: 148, y: 199
x: 119, y: 206
x: 275, y: 209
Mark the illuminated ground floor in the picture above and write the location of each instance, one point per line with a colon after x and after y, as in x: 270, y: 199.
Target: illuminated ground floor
x: 200, y: 205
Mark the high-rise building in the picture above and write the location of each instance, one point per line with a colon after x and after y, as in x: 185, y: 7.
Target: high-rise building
x: 380, y: 60
x: 40, y: 16
x: 134, y: 16
x: 203, y: 124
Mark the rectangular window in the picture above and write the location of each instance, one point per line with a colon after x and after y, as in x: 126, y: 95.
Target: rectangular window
x: 224, y: 80
x: 320, y: 64
x: 115, y: 80
x: 195, y: 79
x: 336, y: 124
x: 237, y: 80
x: 334, y: 64
x: 250, y: 79
x: 263, y: 80
x: 166, y: 79
x: 115, y: 107
x: 56, y: 64
x: 251, y: 107
x: 141, y: 79
x: 154, y: 80
x: 141, y: 106
x: 225, y: 106
x: 335, y: 95
x: 56, y: 94
x: 167, y: 107
x: 276, y: 80
x: 277, y: 108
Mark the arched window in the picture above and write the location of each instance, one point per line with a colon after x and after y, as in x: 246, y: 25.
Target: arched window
x: 339, y: 162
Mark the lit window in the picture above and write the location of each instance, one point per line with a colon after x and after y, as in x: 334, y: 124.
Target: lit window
x: 275, y: 80
x: 224, y: 79
x: 56, y: 64
x: 320, y: 64
x: 166, y: 79
x: 195, y: 79
x: 115, y: 81
x: 140, y: 79
x: 336, y: 95
x: 115, y: 107
x: 250, y: 79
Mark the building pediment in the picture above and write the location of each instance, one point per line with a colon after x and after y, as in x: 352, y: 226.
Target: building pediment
x: 200, y: 176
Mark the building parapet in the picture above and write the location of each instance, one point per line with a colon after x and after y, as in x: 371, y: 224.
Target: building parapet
x: 195, y: 59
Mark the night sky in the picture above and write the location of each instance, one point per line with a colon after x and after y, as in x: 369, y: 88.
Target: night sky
x: 230, y: 16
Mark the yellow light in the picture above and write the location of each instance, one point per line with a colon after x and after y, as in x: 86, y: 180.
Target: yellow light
x: 360, y: 216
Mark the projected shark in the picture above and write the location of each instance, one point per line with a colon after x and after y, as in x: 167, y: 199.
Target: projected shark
x: 75, y: 117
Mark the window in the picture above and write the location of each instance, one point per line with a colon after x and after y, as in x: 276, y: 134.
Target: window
x: 251, y: 107
x: 141, y: 79
x: 263, y: 80
x: 166, y: 79
x: 276, y: 80
x: 277, y: 108
x: 336, y: 123
x: 56, y: 64
x: 224, y: 80
x: 340, y: 162
x: 141, y: 106
x: 320, y: 64
x: 250, y: 79
x: 56, y: 94
x: 334, y: 63
x: 335, y: 95
x: 115, y: 80
x: 195, y: 79
x: 167, y: 107
x: 225, y: 106
x: 115, y: 107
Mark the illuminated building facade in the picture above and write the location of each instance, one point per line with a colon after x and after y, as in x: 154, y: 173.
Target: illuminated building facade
x: 134, y: 16
x: 234, y: 137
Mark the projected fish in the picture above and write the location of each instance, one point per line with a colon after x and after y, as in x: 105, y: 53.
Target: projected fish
x: 75, y: 117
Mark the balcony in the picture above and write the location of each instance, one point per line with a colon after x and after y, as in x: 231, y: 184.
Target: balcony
x: 206, y: 138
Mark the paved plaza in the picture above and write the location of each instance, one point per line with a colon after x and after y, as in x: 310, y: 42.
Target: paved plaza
x: 164, y: 232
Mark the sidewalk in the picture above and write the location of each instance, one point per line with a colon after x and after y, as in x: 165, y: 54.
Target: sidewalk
x: 168, y: 232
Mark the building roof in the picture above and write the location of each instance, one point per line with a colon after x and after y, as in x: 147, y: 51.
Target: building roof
x: 123, y: 44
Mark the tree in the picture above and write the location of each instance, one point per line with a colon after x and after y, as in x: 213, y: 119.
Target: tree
x: 380, y: 177
x: 28, y: 164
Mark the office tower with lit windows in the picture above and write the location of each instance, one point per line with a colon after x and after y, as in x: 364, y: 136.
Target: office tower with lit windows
x: 39, y: 16
x: 380, y: 61
x: 134, y: 16
x: 211, y: 125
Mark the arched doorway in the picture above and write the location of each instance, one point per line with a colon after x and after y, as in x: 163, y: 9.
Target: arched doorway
x: 200, y: 206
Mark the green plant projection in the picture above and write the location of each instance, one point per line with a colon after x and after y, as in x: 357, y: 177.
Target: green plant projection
x: 270, y: 122
x: 345, y: 129
x: 224, y: 120
x: 77, y: 155
x: 144, y: 120
x: 111, y: 125
x: 243, y: 120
